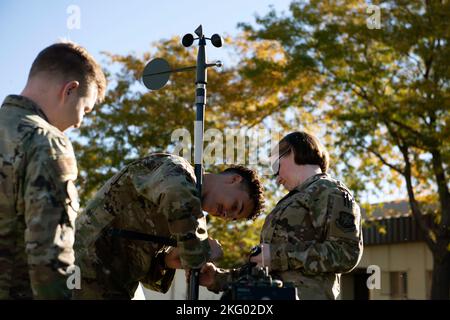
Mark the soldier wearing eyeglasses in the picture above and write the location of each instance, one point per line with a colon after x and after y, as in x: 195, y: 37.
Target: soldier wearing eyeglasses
x: 313, y: 234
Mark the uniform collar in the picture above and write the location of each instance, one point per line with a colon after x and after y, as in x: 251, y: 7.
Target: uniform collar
x: 305, y: 184
x: 25, y: 103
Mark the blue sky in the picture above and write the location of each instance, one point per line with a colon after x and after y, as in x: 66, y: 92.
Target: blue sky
x: 26, y: 27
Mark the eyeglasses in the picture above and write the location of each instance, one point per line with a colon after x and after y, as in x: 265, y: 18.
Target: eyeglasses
x: 276, y: 163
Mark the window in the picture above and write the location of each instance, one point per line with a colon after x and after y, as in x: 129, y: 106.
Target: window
x: 399, y: 288
x: 428, y: 283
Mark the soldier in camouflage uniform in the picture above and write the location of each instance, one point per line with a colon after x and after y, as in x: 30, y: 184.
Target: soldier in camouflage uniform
x: 157, y: 196
x: 314, y: 232
x: 38, y: 198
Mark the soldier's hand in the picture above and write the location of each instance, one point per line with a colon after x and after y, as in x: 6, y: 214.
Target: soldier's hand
x: 262, y: 259
x: 207, y: 273
x: 172, y: 259
x: 216, y: 249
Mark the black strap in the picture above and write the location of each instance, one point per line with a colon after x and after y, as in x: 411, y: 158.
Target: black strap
x: 133, y: 235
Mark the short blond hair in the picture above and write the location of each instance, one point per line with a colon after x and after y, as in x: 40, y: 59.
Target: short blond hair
x: 71, y: 61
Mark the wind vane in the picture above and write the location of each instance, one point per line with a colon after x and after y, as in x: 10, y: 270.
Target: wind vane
x: 155, y: 76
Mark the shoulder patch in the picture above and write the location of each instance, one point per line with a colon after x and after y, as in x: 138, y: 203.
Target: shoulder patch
x: 346, y: 222
x: 66, y: 166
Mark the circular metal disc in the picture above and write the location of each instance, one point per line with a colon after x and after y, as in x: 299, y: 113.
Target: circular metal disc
x: 156, y: 74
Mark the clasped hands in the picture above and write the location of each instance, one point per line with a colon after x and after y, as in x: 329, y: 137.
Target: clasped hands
x: 173, y: 261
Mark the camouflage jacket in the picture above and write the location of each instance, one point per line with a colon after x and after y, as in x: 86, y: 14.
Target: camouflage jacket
x: 314, y: 234
x: 155, y: 195
x: 38, y: 203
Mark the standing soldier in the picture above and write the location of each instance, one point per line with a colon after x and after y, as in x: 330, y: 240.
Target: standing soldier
x: 156, y: 196
x: 314, y: 232
x: 38, y: 198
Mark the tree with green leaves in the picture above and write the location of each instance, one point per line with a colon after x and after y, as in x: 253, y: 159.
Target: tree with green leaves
x: 133, y: 121
x: 383, y: 94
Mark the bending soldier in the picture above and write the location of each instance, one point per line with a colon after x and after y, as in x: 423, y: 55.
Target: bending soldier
x: 155, y: 195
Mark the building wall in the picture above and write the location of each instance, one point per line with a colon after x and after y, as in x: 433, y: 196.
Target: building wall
x: 413, y: 258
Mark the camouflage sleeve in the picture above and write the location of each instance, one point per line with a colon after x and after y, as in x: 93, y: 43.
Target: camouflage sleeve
x: 51, y: 203
x: 7, y: 228
x: 159, y: 278
x: 338, y: 247
x: 224, y: 277
x: 178, y: 201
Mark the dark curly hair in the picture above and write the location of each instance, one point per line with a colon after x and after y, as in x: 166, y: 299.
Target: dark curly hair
x: 252, y: 185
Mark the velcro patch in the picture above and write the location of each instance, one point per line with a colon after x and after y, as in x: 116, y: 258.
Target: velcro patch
x: 346, y: 222
x: 66, y: 166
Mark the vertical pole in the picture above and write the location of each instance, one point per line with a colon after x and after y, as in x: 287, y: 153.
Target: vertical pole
x: 200, y: 103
